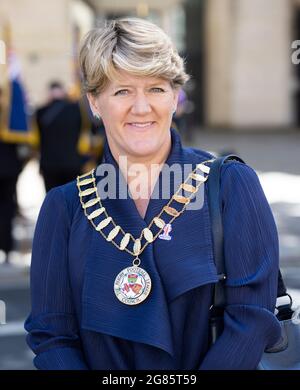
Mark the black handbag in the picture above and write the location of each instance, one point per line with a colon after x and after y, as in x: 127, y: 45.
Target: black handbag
x: 285, y: 355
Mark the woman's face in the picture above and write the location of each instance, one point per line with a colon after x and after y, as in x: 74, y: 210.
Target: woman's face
x: 137, y: 114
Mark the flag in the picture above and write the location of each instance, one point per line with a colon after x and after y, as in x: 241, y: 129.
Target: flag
x: 15, y: 125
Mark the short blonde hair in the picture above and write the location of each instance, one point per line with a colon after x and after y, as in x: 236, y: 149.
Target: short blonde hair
x: 134, y: 45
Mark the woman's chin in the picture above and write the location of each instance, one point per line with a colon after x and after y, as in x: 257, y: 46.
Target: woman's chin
x: 142, y: 151
x: 144, y: 145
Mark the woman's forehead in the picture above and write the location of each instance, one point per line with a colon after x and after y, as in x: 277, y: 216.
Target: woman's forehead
x: 126, y: 79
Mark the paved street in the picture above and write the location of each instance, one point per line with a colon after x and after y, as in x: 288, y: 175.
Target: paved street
x: 276, y: 157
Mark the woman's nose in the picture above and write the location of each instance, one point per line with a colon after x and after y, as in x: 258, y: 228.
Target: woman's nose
x: 141, y: 105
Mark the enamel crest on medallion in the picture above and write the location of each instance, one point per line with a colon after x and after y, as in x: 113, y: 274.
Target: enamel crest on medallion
x: 132, y: 285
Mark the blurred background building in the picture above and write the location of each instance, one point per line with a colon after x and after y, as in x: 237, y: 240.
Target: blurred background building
x: 243, y: 96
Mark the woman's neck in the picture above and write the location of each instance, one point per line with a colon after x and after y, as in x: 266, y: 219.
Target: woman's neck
x: 141, y: 175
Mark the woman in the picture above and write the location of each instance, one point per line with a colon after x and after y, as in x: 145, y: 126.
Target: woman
x: 126, y: 282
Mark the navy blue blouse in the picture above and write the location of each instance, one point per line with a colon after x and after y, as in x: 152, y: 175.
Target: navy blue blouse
x: 76, y: 321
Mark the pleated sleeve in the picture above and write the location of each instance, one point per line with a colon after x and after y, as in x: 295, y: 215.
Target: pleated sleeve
x: 251, y: 258
x: 52, y: 326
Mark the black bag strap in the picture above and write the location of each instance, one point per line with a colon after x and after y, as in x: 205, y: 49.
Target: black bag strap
x: 214, y: 202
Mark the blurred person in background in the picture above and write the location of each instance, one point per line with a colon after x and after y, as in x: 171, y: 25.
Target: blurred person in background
x: 59, y: 126
x: 91, y: 139
x: 10, y: 168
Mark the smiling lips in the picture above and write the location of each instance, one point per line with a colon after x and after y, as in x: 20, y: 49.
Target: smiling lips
x: 140, y: 125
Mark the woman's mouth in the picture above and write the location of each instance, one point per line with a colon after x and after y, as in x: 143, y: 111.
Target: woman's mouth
x: 140, y: 125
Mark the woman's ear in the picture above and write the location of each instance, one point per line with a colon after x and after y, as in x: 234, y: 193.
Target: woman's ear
x: 176, y: 97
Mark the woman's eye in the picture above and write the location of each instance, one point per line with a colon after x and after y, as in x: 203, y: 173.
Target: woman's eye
x: 157, y: 89
x: 122, y: 92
